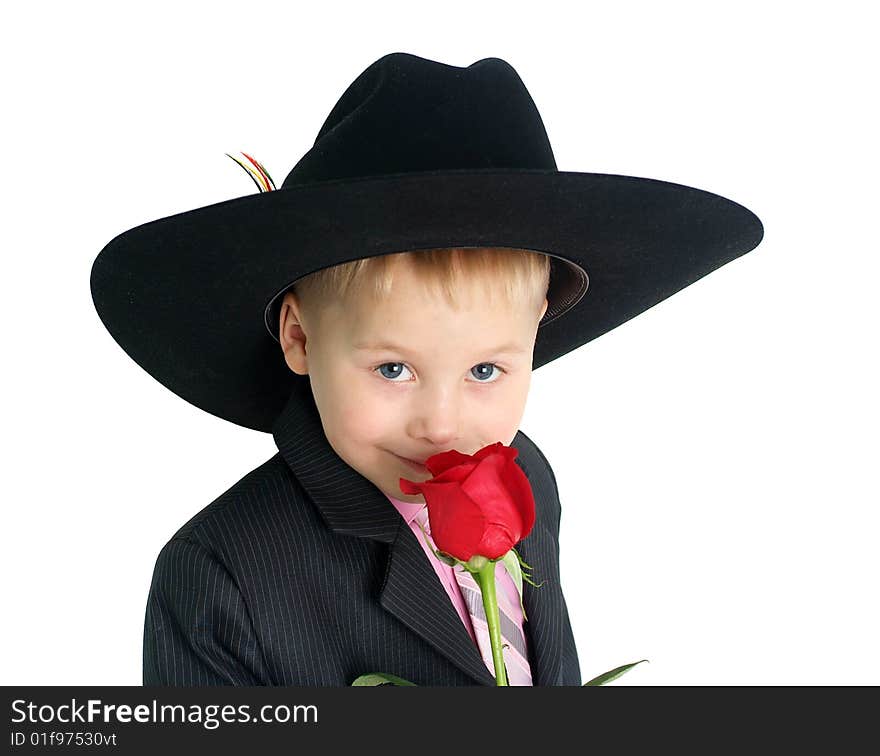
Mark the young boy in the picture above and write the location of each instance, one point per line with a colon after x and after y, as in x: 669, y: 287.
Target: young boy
x: 303, y: 573
x: 387, y: 303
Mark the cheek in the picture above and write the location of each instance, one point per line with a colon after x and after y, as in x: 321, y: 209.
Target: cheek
x: 364, y: 417
x: 504, y: 419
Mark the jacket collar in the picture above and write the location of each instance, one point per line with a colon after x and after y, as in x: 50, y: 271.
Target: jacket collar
x: 351, y: 505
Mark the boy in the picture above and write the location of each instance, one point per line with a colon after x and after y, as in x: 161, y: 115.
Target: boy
x: 337, y: 586
x: 426, y: 240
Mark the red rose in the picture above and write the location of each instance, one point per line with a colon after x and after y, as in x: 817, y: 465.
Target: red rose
x: 479, y: 504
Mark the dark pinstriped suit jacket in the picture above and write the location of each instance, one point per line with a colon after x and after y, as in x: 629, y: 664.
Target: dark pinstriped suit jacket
x: 304, y: 574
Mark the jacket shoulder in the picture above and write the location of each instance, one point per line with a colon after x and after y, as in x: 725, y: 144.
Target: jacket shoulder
x: 255, y: 503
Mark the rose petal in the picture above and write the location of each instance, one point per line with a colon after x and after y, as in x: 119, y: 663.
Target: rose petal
x: 437, y: 463
x: 457, y: 524
x: 497, y: 541
x: 409, y: 486
x: 521, y: 493
x: 455, y: 474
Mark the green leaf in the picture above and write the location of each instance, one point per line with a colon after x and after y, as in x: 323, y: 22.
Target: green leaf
x: 532, y: 582
x: 612, y: 674
x: 381, y: 678
x: 511, y: 564
x: 522, y: 561
x: 526, y: 568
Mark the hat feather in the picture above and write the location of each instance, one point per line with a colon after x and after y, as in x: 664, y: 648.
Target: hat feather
x: 260, y: 176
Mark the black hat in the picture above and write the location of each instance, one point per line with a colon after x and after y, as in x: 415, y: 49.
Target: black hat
x: 415, y: 155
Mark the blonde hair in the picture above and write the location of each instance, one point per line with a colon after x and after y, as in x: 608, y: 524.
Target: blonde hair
x: 514, y: 275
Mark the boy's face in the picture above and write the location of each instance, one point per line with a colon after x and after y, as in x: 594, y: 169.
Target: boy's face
x: 412, y: 377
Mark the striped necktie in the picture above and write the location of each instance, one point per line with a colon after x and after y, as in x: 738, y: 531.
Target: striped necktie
x: 510, y: 616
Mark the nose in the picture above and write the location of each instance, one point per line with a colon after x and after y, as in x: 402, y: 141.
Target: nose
x: 436, y: 418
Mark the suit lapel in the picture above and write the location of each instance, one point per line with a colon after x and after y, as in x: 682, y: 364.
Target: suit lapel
x: 413, y: 593
x: 351, y: 505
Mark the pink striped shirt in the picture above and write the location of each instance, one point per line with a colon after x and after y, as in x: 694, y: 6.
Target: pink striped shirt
x: 408, y: 510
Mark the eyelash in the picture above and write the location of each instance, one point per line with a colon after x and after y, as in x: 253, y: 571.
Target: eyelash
x: 390, y: 380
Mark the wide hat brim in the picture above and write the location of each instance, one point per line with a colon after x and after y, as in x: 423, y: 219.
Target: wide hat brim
x: 188, y: 296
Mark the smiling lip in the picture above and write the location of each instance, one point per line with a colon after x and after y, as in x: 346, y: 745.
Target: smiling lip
x: 412, y: 463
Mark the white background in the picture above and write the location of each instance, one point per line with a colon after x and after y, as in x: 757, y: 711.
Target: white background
x: 716, y: 456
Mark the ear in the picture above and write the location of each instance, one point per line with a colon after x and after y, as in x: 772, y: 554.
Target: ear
x: 543, y: 309
x: 291, y: 334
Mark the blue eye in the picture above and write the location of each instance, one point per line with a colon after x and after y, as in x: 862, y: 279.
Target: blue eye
x: 487, y: 367
x: 481, y: 371
x: 396, y: 373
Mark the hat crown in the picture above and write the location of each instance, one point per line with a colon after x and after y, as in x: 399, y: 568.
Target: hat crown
x: 408, y: 114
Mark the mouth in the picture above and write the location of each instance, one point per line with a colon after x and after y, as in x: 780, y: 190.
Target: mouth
x: 417, y: 466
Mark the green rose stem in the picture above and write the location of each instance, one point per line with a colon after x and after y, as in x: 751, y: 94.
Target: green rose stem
x: 483, y: 570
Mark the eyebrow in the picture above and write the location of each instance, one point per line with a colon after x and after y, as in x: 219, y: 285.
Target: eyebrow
x: 388, y: 347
